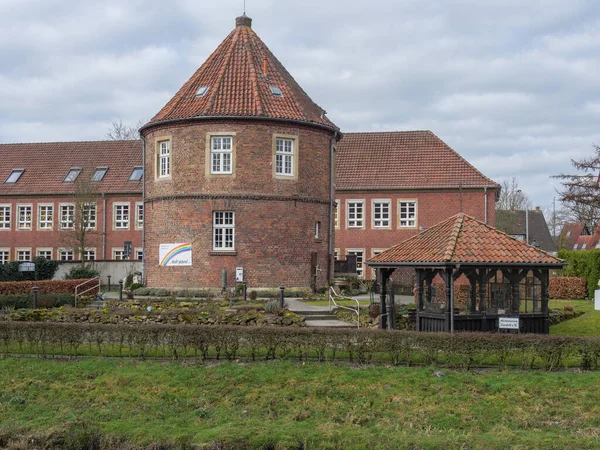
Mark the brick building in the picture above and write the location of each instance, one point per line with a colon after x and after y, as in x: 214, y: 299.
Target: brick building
x: 391, y: 185
x: 239, y: 174
x: 49, y: 190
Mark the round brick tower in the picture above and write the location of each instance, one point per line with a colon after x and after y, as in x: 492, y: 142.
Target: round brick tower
x: 238, y: 174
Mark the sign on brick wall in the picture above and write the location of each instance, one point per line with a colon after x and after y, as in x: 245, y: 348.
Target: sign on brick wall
x: 175, y: 255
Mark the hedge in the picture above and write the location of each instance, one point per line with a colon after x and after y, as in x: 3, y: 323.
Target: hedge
x: 585, y: 264
x: 21, y: 301
x: 463, y: 350
x: 45, y: 287
x: 567, y: 287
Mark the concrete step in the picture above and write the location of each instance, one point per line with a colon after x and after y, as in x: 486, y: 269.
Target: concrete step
x: 308, y: 313
x: 319, y: 316
x: 329, y: 324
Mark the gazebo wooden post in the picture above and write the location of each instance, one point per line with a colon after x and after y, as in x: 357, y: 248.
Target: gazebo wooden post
x: 419, y: 288
x: 483, y: 279
x: 472, y: 277
x: 391, y: 307
x: 385, y: 274
x: 449, y: 297
x: 545, y: 279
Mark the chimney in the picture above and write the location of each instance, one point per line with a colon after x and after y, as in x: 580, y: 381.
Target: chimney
x: 265, y: 66
x: 537, y: 208
x: 243, y: 21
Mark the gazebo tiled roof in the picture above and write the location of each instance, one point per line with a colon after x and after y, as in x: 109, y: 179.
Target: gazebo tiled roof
x: 463, y: 239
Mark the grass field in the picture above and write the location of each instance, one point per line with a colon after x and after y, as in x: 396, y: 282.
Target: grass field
x: 296, y: 405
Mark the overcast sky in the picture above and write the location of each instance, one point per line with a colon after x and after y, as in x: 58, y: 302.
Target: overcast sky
x: 511, y: 85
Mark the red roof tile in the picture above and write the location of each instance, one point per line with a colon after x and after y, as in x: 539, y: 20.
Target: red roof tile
x: 237, y: 85
x: 47, y: 164
x: 401, y: 160
x: 463, y: 239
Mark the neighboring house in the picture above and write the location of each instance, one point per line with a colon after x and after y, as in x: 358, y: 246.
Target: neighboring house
x: 42, y: 185
x: 526, y: 225
x: 578, y: 236
x: 391, y: 185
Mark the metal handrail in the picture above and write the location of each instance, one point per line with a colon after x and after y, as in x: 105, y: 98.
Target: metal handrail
x: 77, y: 294
x: 333, y: 295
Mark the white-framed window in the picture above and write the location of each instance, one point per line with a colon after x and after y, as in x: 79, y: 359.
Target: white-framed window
x: 139, y: 254
x: 66, y: 254
x: 118, y: 254
x: 336, y: 214
x: 121, y: 216
x: 24, y: 217
x: 139, y: 215
x: 221, y: 154
x: 23, y: 254
x: 284, y: 157
x: 407, y: 212
x: 89, y: 254
x: 355, y: 212
x: 317, y: 230
x: 44, y: 253
x: 45, y: 217
x: 4, y: 255
x: 223, y: 230
x: 5, y: 217
x: 89, y: 215
x: 360, y: 257
x: 336, y: 254
x: 164, y: 159
x: 67, y: 216
x: 575, y: 246
x: 381, y: 213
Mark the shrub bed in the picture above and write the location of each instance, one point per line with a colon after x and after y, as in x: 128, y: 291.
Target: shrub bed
x: 568, y: 288
x: 45, y: 287
x: 43, y: 301
x: 205, y: 293
x: 462, y: 350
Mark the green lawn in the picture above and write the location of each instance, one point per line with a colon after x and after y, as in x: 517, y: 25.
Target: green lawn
x: 585, y: 325
x: 296, y: 405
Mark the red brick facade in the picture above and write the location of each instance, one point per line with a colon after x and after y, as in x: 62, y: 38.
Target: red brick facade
x: 275, y: 217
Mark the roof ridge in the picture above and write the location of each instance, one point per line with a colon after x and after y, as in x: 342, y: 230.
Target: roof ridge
x: 235, y: 36
x: 453, y: 237
x: 253, y: 75
x: 103, y: 141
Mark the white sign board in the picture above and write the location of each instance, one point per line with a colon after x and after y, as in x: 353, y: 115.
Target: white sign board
x: 239, y: 274
x: 175, y: 255
x: 508, y: 323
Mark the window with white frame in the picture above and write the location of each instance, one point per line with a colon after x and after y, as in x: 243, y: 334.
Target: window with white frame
x: 359, y: 261
x: 66, y: 254
x: 89, y: 216
x: 336, y: 214
x: 118, y: 254
x: 317, y: 230
x: 221, y: 154
x: 24, y: 213
x: 407, y: 211
x: 44, y: 253
x: 67, y: 216
x: 139, y: 215
x: 45, y: 217
x: 336, y: 254
x: 223, y: 230
x: 164, y: 159
x: 4, y: 217
x: 139, y: 254
x: 89, y: 254
x: 23, y: 254
x: 4, y: 254
x: 355, y: 210
x: 121, y: 216
x: 284, y: 157
x: 381, y: 213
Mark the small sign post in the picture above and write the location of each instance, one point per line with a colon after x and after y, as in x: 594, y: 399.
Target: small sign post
x: 239, y: 274
x: 30, y: 267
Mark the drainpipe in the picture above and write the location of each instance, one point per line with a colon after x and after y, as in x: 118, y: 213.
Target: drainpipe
x: 485, y: 200
x: 144, y: 206
x: 103, y: 226
x: 331, y: 200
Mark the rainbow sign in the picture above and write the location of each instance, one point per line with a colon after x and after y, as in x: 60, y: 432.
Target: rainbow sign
x: 175, y: 255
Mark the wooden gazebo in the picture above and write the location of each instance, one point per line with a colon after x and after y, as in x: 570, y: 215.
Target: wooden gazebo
x: 503, y: 281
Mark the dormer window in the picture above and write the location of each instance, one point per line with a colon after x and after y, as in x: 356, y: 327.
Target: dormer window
x: 276, y: 91
x: 99, y: 173
x: 136, y: 174
x: 72, y: 175
x: 202, y: 90
x: 14, y: 176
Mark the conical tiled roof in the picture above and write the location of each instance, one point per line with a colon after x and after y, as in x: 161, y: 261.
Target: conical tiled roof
x: 463, y: 239
x: 238, y: 77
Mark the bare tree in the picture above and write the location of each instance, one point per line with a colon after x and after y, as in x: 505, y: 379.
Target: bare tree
x: 121, y: 131
x: 580, y: 192
x: 512, y: 198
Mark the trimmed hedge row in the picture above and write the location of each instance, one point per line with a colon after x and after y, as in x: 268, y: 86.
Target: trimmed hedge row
x: 462, y: 350
x: 45, y: 287
x: 568, y: 288
x: 23, y: 301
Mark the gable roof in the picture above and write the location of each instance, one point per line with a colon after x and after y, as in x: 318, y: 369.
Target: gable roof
x: 238, y: 86
x: 570, y: 234
x: 402, y: 160
x: 462, y: 239
x: 515, y: 223
x: 46, y: 165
